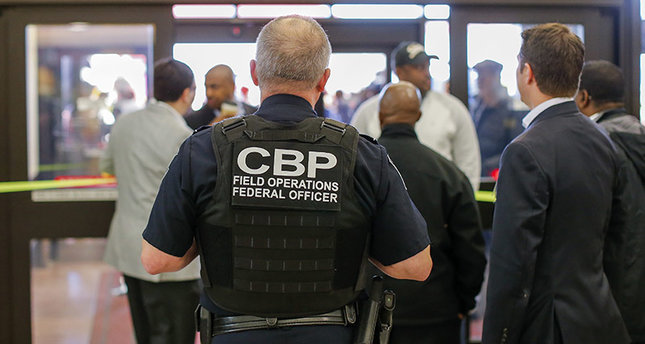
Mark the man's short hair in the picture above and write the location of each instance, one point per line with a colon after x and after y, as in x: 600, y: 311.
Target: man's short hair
x: 292, y: 49
x: 604, y: 82
x: 555, y: 55
x: 171, y: 78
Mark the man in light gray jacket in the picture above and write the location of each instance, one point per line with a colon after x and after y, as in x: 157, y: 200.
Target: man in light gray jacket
x: 141, y: 146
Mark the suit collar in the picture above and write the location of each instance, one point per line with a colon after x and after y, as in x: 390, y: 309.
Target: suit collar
x: 566, y: 107
x: 536, y: 111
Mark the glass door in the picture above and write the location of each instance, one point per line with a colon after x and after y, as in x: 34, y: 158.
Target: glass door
x: 72, y: 71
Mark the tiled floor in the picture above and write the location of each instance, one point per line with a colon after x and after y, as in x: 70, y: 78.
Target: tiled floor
x: 76, y: 297
x: 73, y: 299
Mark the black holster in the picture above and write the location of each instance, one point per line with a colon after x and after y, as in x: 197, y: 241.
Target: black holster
x: 204, y: 324
x: 386, y: 316
x: 376, y: 310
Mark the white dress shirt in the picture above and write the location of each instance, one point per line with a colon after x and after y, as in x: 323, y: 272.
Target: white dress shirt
x: 445, y: 126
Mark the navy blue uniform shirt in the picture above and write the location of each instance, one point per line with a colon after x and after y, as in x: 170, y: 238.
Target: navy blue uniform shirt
x: 398, y: 229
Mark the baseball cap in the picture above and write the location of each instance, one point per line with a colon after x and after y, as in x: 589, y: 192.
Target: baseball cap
x: 410, y: 53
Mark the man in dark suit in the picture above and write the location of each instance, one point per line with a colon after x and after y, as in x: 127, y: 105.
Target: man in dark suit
x: 601, y: 97
x: 556, y: 192
x: 430, y: 311
x: 220, y: 102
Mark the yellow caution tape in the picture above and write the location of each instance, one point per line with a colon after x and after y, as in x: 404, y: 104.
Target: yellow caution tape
x: 481, y: 196
x: 485, y: 196
x: 52, y: 184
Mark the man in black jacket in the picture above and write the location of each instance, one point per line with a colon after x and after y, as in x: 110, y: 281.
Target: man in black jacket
x: 431, y: 311
x: 558, y: 190
x: 601, y: 98
x: 220, y: 102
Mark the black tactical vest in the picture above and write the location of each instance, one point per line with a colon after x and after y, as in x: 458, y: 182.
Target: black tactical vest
x: 284, y: 235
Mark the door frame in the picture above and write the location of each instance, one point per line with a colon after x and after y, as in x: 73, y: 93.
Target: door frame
x: 607, y: 36
x: 344, y: 35
x: 27, y: 220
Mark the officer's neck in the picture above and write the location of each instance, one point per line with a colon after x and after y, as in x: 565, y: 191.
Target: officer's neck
x: 309, y: 94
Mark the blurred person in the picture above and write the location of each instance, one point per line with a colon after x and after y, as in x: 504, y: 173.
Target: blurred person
x: 342, y: 107
x: 126, y: 99
x: 220, y: 100
x: 141, y: 146
x: 446, y: 125
x: 601, y: 97
x: 282, y: 240
x: 558, y: 191
x: 496, y: 122
x: 431, y: 311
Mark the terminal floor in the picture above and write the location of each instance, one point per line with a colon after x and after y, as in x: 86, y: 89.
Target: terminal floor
x: 78, y: 299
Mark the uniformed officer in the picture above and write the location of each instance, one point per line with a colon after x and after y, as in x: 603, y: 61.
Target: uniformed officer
x: 284, y: 207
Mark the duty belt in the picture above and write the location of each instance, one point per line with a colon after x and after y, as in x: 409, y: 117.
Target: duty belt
x: 221, y: 325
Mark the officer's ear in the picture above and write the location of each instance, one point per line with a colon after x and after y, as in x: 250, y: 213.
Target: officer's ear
x: 320, y: 87
x: 254, y: 75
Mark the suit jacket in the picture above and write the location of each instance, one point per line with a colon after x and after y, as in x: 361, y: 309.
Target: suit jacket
x: 555, y: 192
x: 443, y: 195
x: 142, y: 144
x: 205, y: 115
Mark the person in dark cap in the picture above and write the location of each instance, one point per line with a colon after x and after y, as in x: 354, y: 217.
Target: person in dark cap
x: 445, y: 124
x: 430, y: 312
x: 496, y: 122
x: 601, y: 97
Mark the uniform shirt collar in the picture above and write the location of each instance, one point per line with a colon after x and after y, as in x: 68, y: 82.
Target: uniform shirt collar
x: 285, y: 108
x: 536, y: 111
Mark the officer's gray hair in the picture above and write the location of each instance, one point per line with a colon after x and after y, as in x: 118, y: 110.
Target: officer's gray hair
x: 292, y: 49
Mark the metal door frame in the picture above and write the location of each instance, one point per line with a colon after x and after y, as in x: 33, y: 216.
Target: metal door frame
x: 26, y: 219
x: 606, y: 37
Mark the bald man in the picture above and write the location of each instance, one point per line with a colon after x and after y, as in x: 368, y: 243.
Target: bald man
x: 220, y: 101
x: 431, y: 311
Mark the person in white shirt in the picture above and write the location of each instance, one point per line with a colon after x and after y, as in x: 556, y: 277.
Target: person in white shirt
x: 141, y: 146
x: 445, y: 124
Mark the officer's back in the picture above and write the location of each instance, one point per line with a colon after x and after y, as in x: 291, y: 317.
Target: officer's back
x: 284, y: 208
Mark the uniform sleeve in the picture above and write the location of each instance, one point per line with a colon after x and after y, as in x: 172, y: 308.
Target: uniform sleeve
x: 399, y: 231
x: 465, y: 231
x: 170, y: 226
x: 465, y: 145
x: 518, y: 230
